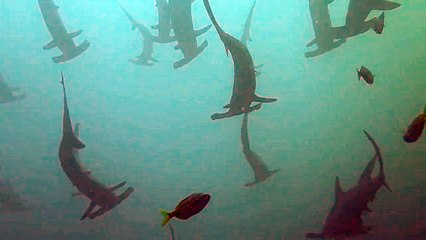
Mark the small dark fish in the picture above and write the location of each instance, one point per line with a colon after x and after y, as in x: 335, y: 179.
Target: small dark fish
x: 380, y: 24
x: 187, y: 208
x: 365, y: 74
x: 415, y: 130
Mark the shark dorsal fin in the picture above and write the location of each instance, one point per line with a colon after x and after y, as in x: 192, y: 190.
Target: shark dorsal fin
x: 337, y: 190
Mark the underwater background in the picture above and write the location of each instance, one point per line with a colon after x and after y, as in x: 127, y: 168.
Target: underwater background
x: 151, y: 126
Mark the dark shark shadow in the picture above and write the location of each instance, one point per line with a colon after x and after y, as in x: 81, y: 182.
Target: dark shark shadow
x: 243, y: 90
x: 246, y: 36
x: 145, y: 58
x: 358, y: 11
x: 164, y: 25
x: 344, y: 218
x: 181, y: 18
x: 61, y: 38
x: 6, y: 92
x: 356, y: 23
x: 99, y: 195
x: 322, y: 27
x: 261, y: 171
x: 10, y: 201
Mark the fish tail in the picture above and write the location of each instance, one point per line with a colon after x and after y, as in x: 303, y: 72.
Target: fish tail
x: 166, y: 217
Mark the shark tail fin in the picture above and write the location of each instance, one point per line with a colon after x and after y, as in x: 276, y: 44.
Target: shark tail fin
x: 166, y: 216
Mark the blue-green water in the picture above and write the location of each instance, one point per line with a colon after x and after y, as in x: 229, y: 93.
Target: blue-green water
x: 151, y: 126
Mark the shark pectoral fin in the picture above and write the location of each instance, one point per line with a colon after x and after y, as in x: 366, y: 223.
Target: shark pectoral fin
x: 186, y: 59
x: 75, y: 34
x: 337, y: 190
x: 202, y: 30
x: 258, y: 66
x: 250, y: 184
x: 385, y: 5
x: 98, y: 213
x: 387, y: 186
x: 255, y: 107
x: 155, y: 26
x: 153, y: 59
x: 227, y: 105
x: 50, y: 45
x: 111, y: 189
x: 263, y: 99
x: 76, y: 194
x: 217, y: 116
x: 309, y: 44
x: 125, y: 194
x: 78, y: 144
x: 315, y: 53
x: 77, y: 129
x: 88, y: 210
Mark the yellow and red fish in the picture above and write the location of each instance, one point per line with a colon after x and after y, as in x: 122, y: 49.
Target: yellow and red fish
x: 187, y: 208
x: 414, y: 131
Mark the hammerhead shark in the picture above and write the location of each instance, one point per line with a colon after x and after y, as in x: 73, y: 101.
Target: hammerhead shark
x: 98, y: 194
x: 164, y: 25
x: 61, y: 38
x: 322, y: 27
x: 6, y: 92
x: 246, y: 36
x: 145, y: 58
x: 261, y: 171
x: 358, y: 11
x: 344, y: 218
x: 243, y: 93
x: 10, y: 201
x: 181, y: 18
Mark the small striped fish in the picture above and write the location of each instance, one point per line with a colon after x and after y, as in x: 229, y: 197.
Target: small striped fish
x: 187, y: 208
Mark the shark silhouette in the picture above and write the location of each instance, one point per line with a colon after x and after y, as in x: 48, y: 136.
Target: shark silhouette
x: 181, y: 18
x: 145, y: 58
x: 99, y: 194
x: 356, y: 23
x: 61, y: 38
x: 261, y: 171
x: 164, y: 25
x: 246, y: 36
x: 243, y: 92
x: 6, y: 92
x: 322, y: 27
x: 10, y: 201
x: 344, y: 218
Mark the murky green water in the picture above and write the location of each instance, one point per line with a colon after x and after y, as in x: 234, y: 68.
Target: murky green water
x: 151, y: 126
